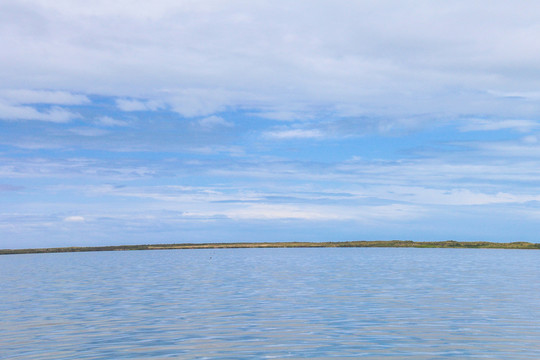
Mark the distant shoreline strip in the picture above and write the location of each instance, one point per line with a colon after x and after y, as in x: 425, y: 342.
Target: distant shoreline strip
x: 254, y: 245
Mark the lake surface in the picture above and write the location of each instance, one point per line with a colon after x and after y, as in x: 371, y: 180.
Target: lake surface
x: 371, y: 303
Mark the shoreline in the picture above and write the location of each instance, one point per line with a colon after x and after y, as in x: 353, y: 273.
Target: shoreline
x: 255, y: 245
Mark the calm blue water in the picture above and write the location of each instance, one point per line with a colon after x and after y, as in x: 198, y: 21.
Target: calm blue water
x: 272, y: 303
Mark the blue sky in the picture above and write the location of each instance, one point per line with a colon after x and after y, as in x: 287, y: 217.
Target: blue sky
x: 132, y: 122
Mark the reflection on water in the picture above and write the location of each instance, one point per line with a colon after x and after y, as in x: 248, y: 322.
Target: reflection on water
x: 271, y: 303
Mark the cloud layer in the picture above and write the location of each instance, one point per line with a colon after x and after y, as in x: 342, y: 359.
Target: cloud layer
x: 391, y: 58
x: 210, y: 120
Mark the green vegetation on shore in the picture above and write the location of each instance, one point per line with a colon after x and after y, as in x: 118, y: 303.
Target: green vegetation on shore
x: 392, y: 243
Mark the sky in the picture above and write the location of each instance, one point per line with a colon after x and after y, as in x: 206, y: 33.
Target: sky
x: 177, y: 121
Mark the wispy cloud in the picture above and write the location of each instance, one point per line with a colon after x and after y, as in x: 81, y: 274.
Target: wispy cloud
x: 294, y: 134
x: 492, y: 125
x: 211, y: 122
x: 55, y: 114
x: 27, y: 96
x: 88, y: 131
x: 360, y: 213
x: 138, y: 105
x: 74, y: 218
x: 109, y: 121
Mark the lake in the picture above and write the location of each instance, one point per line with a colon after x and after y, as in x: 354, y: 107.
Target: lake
x: 317, y: 303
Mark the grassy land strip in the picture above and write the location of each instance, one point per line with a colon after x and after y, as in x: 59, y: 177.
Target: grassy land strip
x: 392, y: 243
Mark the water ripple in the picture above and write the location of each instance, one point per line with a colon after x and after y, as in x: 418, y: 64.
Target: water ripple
x: 272, y: 304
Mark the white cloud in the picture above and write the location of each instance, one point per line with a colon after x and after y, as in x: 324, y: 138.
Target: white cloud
x: 109, y: 121
x: 25, y: 96
x: 71, y: 168
x: 214, y: 121
x: 290, y: 114
x: 517, y: 151
x: 54, y: 114
x: 278, y: 115
x: 530, y: 139
x: 269, y: 212
x: 138, y: 105
x: 359, y: 213
x: 529, y: 95
x: 492, y: 125
x: 454, y: 197
x: 192, y: 102
x: 74, y: 218
x: 294, y: 134
x: 88, y: 131
x: 233, y: 151
x: 392, y: 58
